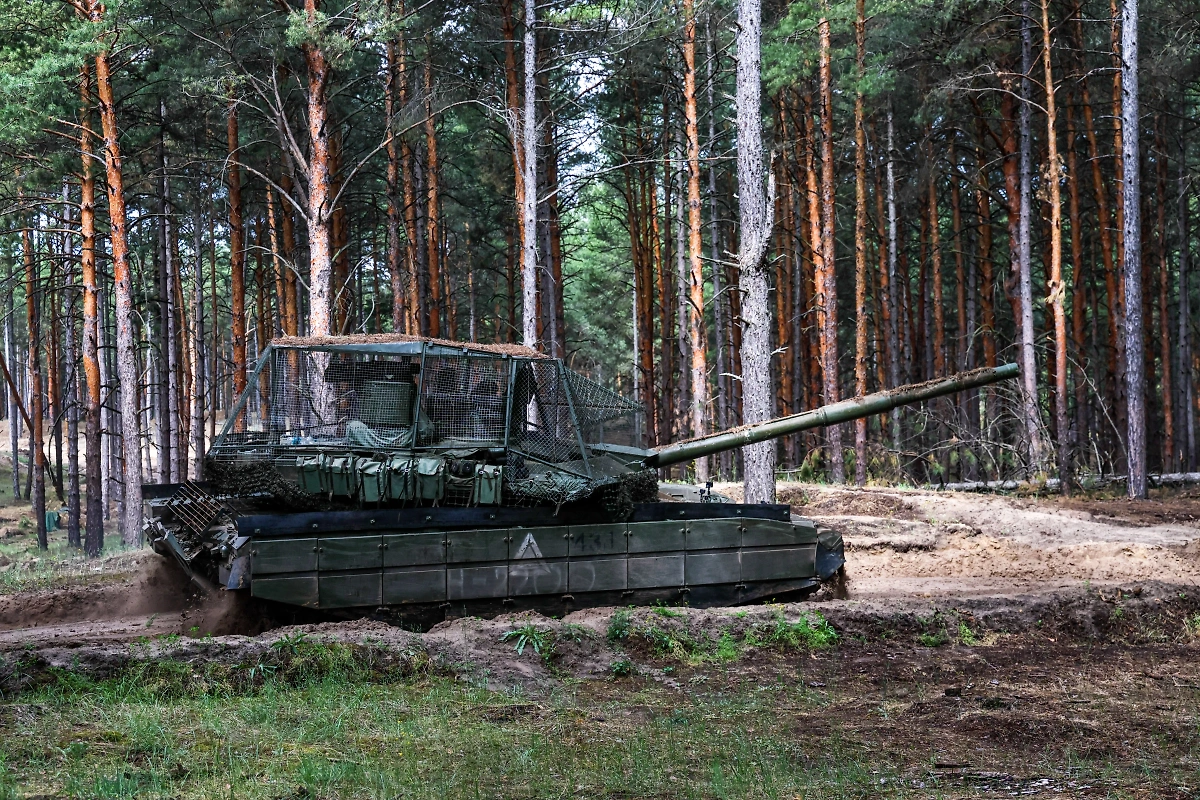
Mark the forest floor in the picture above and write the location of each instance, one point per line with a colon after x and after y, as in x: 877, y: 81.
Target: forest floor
x: 987, y: 646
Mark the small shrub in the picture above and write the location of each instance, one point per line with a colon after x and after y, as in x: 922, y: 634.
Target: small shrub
x: 540, y: 640
x: 935, y: 639
x: 621, y: 667
x: 664, y: 611
x: 727, y: 648
x: 967, y: 636
x: 290, y: 644
x: 619, y: 625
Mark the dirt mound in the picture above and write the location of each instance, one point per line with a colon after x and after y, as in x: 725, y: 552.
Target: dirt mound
x: 154, y: 598
x: 153, y: 587
x: 848, y: 502
x: 527, y: 652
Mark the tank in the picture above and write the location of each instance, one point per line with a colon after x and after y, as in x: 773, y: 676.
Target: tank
x: 425, y: 478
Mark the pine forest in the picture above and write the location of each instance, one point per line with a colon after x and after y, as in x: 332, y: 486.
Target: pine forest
x: 727, y: 210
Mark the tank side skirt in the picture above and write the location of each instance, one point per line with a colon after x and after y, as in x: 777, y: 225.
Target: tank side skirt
x: 685, y: 558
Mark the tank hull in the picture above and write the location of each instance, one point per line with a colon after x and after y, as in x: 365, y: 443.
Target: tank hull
x: 429, y: 563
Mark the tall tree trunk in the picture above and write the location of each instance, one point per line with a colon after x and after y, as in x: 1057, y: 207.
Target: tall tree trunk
x: 719, y: 306
x: 1056, y: 288
x: 93, y: 539
x: 127, y: 372
x: 894, y: 278
x: 529, y: 265
x: 1103, y: 219
x: 10, y: 390
x: 34, y: 371
x: 197, y: 345
x: 1131, y: 256
x: 162, y: 386
x: 987, y: 277
x: 860, y: 243
x: 281, y: 304
x: 320, y: 187
x: 433, y: 207
x: 1164, y: 317
x: 1025, y: 257
x: 556, y: 315
x: 754, y: 213
x: 71, y: 382
x: 827, y: 282
x: 1187, y: 406
x: 237, y: 253
x: 512, y: 95
x: 287, y: 247
x: 395, y: 210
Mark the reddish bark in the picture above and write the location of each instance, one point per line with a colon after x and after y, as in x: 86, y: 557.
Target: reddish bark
x: 93, y: 539
x: 127, y: 370
x: 237, y: 255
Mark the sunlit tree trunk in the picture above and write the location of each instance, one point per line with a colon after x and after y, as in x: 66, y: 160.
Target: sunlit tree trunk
x: 1131, y: 255
x: 754, y: 213
x: 1056, y: 286
x: 433, y: 204
x: 320, y: 185
x: 127, y: 371
x: 827, y: 315
x: 34, y: 371
x: 93, y: 538
x: 529, y: 265
x: 1024, y: 251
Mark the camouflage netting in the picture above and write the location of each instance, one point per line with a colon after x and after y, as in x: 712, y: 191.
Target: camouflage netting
x: 330, y: 422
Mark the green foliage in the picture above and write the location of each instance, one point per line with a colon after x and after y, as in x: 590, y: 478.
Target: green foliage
x: 966, y: 636
x: 811, y: 631
x: 539, y: 639
x: 935, y: 639
x: 619, y: 625
x: 621, y: 667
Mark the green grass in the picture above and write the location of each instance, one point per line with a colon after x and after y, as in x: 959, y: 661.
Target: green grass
x: 419, y: 737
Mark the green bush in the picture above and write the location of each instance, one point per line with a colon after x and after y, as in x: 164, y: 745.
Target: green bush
x: 619, y: 625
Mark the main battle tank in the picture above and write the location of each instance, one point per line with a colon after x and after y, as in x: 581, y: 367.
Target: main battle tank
x: 425, y: 477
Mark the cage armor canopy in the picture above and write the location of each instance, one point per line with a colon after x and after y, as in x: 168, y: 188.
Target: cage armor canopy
x: 402, y: 471
x: 410, y: 420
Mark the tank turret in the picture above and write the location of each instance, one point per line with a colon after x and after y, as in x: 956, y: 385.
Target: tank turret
x: 345, y: 454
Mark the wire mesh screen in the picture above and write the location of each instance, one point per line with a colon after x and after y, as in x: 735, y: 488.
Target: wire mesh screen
x: 464, y: 399
x: 605, y: 417
x: 422, y: 422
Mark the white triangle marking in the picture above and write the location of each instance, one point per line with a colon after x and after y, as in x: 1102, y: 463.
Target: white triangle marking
x: 529, y: 548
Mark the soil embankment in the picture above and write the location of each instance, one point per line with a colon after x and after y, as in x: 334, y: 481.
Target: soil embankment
x: 922, y: 566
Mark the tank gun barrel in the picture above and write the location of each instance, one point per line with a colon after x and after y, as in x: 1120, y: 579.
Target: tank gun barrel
x: 832, y: 414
